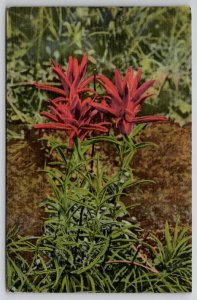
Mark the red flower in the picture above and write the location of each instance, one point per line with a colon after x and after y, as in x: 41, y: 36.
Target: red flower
x: 72, y: 81
x: 125, y: 100
x: 75, y: 117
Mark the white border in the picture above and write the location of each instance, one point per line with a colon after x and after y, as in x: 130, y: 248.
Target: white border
x: 98, y: 3
x: 8, y: 3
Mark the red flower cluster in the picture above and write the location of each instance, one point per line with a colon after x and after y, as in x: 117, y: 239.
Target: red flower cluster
x: 125, y: 100
x: 69, y: 112
x: 77, y: 117
x: 72, y: 81
x: 74, y: 117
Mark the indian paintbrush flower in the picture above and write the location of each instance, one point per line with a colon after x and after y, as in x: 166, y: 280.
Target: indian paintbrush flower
x: 79, y: 117
x: 72, y: 81
x: 126, y: 98
x: 75, y: 117
x: 68, y: 111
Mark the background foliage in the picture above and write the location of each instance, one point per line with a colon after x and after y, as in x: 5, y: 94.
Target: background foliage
x: 156, y: 39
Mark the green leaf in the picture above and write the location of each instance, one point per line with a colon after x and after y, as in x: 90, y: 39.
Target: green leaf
x: 66, y: 283
x: 55, y: 145
x: 137, y: 129
x: 100, y: 138
x: 9, y: 275
x: 131, y: 182
x: 168, y: 237
x: 146, y: 144
x: 92, y: 283
x: 81, y: 283
x: 99, y: 258
x: 59, y: 270
x: 78, y: 148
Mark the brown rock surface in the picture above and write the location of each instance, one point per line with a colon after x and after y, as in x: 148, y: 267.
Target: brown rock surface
x: 169, y: 165
x: 26, y: 187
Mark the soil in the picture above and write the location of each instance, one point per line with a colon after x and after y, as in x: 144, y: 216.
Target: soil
x: 26, y: 186
x: 169, y: 165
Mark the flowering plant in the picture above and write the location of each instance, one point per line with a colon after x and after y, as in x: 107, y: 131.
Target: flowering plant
x: 85, y: 224
x: 72, y: 81
x: 126, y: 99
x: 79, y: 118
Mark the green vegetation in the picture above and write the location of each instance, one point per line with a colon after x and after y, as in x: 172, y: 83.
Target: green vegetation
x: 87, y: 246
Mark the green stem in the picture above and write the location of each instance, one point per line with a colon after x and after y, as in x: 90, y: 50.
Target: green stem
x: 93, y: 149
x: 77, y: 145
x: 92, y: 161
x: 80, y: 223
